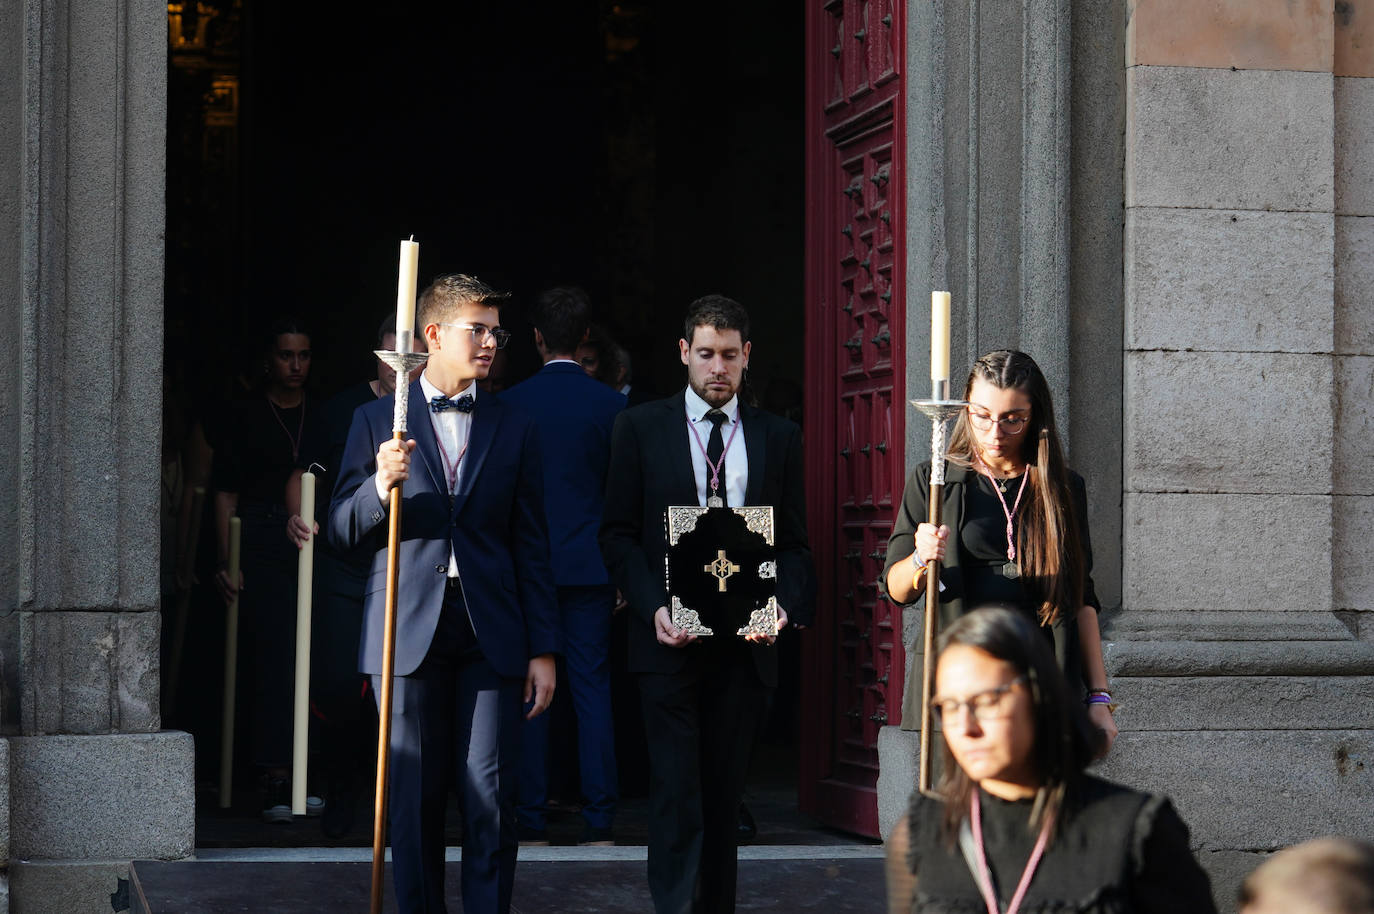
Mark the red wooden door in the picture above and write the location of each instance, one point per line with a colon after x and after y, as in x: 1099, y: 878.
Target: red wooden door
x: 855, y: 414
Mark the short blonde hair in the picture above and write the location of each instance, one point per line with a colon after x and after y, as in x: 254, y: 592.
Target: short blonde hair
x: 1325, y: 876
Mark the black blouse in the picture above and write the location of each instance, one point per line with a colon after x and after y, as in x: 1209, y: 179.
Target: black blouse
x: 983, y: 545
x: 971, y: 575
x: 259, y: 448
x: 1119, y: 852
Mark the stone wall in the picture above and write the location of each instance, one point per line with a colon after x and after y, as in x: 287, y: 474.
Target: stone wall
x: 90, y: 781
x: 1245, y: 697
x: 1353, y: 504
x: 1219, y: 383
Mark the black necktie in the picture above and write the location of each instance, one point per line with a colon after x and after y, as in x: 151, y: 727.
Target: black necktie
x: 463, y: 404
x: 715, y: 450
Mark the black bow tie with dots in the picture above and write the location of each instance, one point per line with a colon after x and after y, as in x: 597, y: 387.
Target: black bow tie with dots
x: 463, y: 404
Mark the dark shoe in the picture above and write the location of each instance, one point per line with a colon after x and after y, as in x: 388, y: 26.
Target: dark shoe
x: 532, y: 837
x: 596, y: 837
x: 337, y: 820
x: 276, y: 801
x: 746, y: 830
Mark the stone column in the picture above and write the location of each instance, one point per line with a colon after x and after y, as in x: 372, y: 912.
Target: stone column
x: 1353, y: 505
x: 1246, y: 430
x: 92, y: 782
x: 991, y: 175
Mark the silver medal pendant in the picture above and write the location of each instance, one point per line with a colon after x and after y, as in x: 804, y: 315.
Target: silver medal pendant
x: 715, y: 501
x: 1011, y: 571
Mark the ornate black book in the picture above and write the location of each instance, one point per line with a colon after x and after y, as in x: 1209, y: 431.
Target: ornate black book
x: 722, y: 569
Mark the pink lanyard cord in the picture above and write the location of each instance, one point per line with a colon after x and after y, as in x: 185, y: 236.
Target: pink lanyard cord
x: 1009, y: 512
x: 985, y: 875
x: 450, y: 471
x: 715, y: 468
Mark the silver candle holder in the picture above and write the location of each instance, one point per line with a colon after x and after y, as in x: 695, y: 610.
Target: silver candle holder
x: 939, y: 409
x: 403, y: 362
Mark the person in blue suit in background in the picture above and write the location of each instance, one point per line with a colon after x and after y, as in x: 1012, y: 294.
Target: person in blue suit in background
x: 476, y: 617
x: 575, y: 415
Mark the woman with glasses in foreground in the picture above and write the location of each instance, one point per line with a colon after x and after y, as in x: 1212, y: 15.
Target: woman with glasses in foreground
x: 1015, y: 531
x: 1019, y: 826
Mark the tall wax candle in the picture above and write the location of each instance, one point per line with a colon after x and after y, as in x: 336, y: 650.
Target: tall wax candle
x: 405, y: 295
x: 939, y: 336
x: 301, y: 710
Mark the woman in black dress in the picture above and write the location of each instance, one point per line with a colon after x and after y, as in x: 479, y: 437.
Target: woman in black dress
x: 1020, y: 827
x: 255, y: 454
x: 1015, y: 529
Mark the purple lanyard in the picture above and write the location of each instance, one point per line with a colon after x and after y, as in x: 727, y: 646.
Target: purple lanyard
x: 715, y: 468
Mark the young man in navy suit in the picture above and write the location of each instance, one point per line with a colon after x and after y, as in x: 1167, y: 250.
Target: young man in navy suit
x: 575, y: 415
x: 704, y: 698
x: 476, y: 620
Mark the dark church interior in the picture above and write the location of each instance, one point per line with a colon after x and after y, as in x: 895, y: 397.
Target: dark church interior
x: 646, y: 151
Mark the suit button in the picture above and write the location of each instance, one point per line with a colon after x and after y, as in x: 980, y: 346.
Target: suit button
x: 442, y: 569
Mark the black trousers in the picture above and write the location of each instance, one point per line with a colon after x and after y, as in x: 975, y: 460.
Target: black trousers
x: 701, y: 724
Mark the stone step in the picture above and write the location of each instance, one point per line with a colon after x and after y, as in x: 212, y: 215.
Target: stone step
x: 559, y: 879
x: 1239, y: 658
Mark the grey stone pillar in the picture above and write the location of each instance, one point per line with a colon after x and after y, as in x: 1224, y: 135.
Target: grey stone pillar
x: 82, y: 120
x: 998, y: 214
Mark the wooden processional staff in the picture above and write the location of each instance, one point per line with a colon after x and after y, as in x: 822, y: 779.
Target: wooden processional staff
x: 231, y: 666
x: 403, y: 360
x: 940, y: 409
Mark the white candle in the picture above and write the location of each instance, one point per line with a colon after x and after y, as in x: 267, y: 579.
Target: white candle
x: 939, y: 336
x: 304, y: 587
x: 405, y: 295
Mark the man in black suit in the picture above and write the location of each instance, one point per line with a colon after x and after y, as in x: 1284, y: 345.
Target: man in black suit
x: 703, y: 699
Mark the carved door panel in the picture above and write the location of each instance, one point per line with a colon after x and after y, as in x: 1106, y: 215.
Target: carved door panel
x: 855, y: 422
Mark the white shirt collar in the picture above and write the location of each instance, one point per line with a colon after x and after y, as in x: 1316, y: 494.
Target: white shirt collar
x: 564, y: 362
x: 430, y: 391
x: 697, y: 407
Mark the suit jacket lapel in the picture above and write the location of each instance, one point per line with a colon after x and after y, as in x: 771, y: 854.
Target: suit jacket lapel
x: 754, y: 442
x: 485, y: 417
x: 422, y: 430
x: 675, y: 439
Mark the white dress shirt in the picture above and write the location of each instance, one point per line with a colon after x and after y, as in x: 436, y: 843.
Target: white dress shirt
x: 736, y: 457
x: 451, y: 430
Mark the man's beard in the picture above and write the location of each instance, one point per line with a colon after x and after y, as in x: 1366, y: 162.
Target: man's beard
x: 713, y: 397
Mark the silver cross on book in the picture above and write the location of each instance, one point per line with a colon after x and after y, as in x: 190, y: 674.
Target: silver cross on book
x: 722, y: 569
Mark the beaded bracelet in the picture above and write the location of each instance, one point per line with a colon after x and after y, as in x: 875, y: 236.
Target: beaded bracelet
x: 1098, y: 698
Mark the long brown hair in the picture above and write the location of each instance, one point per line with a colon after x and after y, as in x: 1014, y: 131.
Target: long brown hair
x: 1049, y: 546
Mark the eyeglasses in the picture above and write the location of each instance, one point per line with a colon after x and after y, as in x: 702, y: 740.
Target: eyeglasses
x: 480, y: 332
x: 1010, y: 424
x: 989, y: 705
